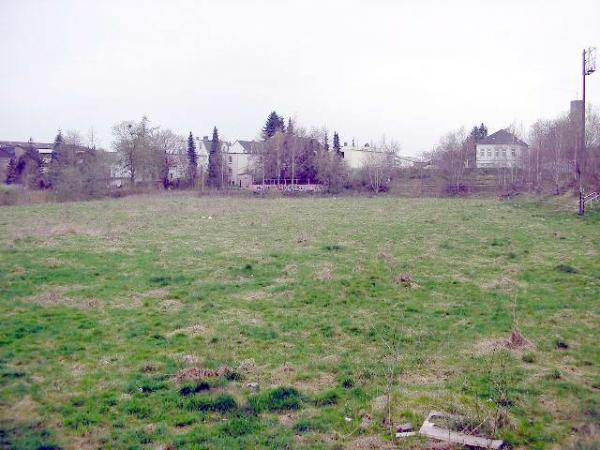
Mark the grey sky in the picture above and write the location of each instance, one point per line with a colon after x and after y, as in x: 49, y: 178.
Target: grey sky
x: 409, y: 70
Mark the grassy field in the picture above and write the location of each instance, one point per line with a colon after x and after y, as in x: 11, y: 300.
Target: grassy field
x: 145, y: 322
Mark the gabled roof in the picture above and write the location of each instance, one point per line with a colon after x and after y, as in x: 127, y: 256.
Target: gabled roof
x: 247, y: 145
x: 502, y: 137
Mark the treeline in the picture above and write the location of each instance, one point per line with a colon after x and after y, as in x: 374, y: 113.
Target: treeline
x: 71, y: 171
x: 552, y: 163
x: 144, y: 156
x: 294, y: 154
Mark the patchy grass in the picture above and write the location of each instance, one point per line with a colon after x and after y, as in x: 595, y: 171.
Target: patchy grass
x: 152, y: 321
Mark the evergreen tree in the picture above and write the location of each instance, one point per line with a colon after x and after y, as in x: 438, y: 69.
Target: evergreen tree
x: 192, y: 160
x: 479, y: 133
x: 33, y: 173
x: 274, y: 124
x: 214, y: 161
x: 57, y: 147
x: 336, y: 142
x: 11, y: 171
x: 483, y: 131
x: 326, y: 142
x: 290, y: 126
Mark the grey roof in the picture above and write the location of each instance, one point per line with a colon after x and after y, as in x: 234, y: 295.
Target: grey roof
x: 25, y: 144
x: 247, y: 145
x: 502, y: 137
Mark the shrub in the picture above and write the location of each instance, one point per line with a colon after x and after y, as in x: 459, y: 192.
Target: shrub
x: 528, y: 358
x: 194, y: 388
x: 330, y: 397
x: 221, y: 403
x: 566, y: 268
x: 239, y: 426
x: 277, y: 399
x: 347, y: 383
x: 310, y: 424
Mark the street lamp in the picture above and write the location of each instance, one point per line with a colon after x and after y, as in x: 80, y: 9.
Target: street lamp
x: 588, y: 67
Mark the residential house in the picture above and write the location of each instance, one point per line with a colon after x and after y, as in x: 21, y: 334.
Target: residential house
x: 500, y: 150
x: 238, y: 160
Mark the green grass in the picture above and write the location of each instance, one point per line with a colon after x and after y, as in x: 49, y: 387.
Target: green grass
x: 103, y: 303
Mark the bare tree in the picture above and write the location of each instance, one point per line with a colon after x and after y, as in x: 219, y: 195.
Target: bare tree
x: 169, y: 151
x: 133, y: 143
x: 451, y: 156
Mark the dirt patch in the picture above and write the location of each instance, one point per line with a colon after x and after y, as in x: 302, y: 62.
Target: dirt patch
x: 193, y: 331
x: 52, y: 263
x: 405, y: 279
x: 369, y: 443
x: 316, y: 384
x: 325, y: 274
x: 159, y: 293
x: 254, y: 295
x: 503, y: 283
x: 516, y: 341
x: 379, y: 404
x: 138, y: 299
x: 190, y: 360
x: 54, y: 231
x: 283, y: 374
x: 290, y: 269
x: 288, y: 419
x: 247, y: 366
x: 56, y: 296
x: 387, y: 256
x: 199, y: 373
x: 170, y: 306
x: 24, y: 410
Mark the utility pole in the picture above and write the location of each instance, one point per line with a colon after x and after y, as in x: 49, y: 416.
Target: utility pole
x: 588, y: 67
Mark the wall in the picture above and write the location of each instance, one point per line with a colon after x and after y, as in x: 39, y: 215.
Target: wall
x: 499, y: 156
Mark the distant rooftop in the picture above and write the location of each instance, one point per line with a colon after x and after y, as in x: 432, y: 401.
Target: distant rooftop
x: 502, y: 137
x: 25, y: 144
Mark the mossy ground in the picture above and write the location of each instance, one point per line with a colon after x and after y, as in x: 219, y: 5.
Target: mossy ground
x: 103, y: 302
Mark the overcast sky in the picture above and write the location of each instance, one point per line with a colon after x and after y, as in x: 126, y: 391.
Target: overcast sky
x: 409, y: 70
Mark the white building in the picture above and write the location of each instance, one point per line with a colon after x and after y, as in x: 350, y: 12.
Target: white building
x: 237, y: 158
x: 500, y: 150
x: 358, y: 157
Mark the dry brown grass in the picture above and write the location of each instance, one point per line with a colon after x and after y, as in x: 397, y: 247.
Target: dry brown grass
x: 193, y: 331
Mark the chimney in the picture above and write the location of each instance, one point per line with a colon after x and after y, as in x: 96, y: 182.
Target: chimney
x: 345, y: 144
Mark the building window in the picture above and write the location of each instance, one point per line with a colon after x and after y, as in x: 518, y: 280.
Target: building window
x: 497, y: 153
x: 230, y: 159
x: 482, y: 153
x: 513, y: 152
x: 489, y: 153
x: 504, y: 153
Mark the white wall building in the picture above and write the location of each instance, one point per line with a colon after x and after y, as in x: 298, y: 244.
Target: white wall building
x: 500, y: 150
x: 357, y: 157
x: 237, y: 158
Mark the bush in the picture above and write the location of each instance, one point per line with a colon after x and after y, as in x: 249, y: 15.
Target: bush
x: 566, y: 268
x: 347, y: 383
x: 310, y: 424
x: 330, y: 397
x: 222, y: 403
x: 239, y: 426
x: 194, y: 388
x: 278, y: 399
